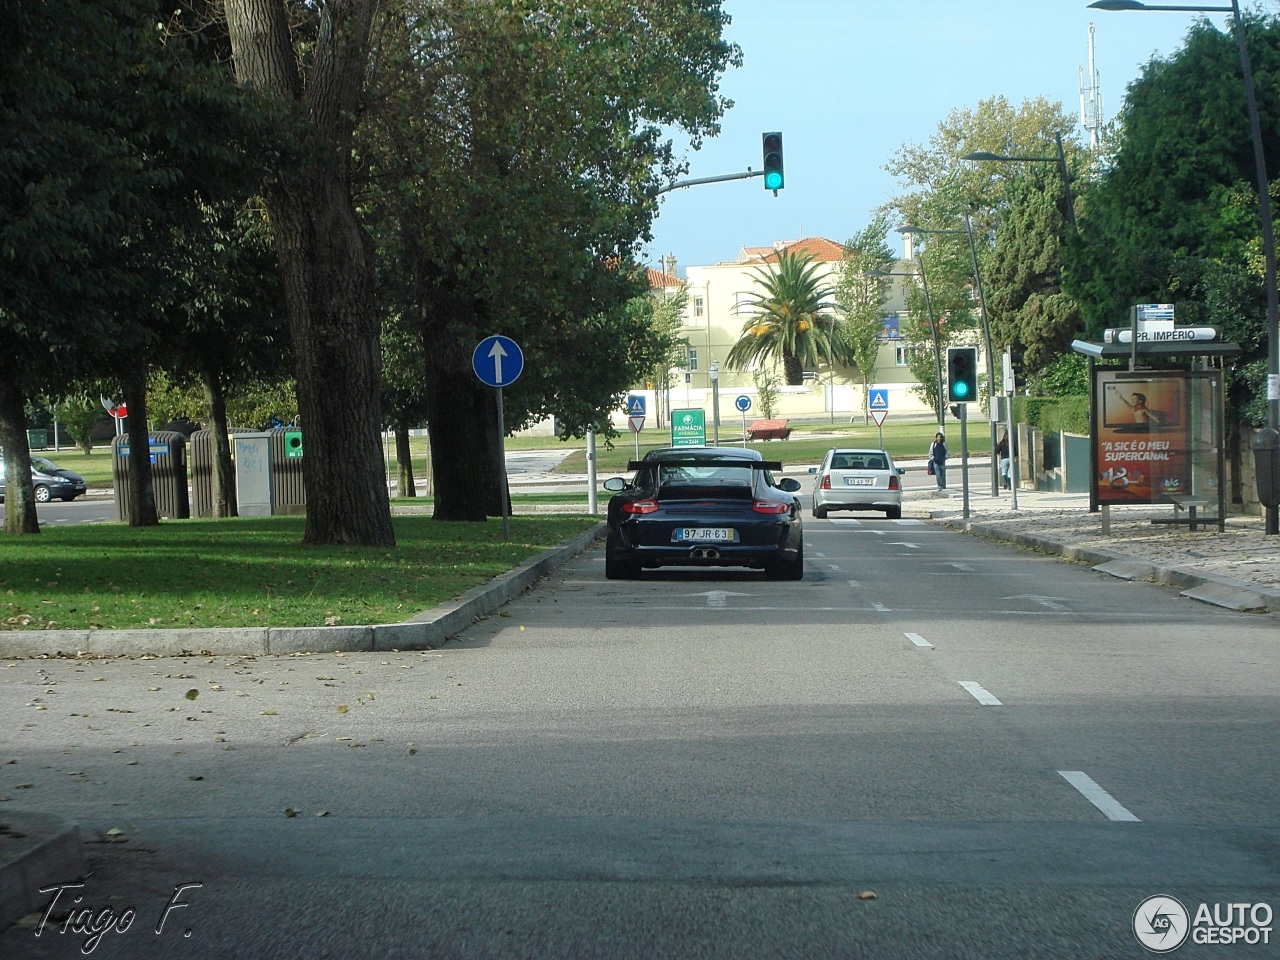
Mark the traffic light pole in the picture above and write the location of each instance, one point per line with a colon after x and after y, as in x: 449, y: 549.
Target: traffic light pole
x: 964, y: 456
x: 747, y: 175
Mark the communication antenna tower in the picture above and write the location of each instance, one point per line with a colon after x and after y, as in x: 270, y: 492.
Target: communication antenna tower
x: 1091, y: 98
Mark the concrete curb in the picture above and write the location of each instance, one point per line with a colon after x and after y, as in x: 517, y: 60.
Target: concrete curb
x: 36, y: 850
x: 1225, y: 592
x: 427, y: 629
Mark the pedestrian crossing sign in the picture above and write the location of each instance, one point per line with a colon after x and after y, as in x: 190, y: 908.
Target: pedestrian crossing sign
x: 879, y: 398
x: 635, y: 405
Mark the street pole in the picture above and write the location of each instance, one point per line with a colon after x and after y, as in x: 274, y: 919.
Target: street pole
x: 991, y: 360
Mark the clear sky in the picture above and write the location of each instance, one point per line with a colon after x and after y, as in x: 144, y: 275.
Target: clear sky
x: 849, y: 82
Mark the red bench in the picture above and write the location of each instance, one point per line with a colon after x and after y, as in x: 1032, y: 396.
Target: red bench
x: 768, y: 430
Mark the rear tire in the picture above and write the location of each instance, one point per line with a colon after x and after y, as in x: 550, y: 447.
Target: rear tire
x: 820, y: 513
x: 894, y: 513
x: 42, y: 494
x: 620, y: 569
x: 787, y: 569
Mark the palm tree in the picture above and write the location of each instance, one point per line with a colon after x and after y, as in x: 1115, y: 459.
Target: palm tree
x: 789, y: 325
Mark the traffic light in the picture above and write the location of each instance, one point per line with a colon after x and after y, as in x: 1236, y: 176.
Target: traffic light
x: 962, y: 374
x: 773, y: 179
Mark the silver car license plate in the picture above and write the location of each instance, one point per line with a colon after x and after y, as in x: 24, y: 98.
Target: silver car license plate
x: 859, y: 481
x: 705, y: 535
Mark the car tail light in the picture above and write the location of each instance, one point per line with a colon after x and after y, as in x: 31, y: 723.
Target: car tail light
x: 640, y: 506
x: 826, y: 481
x: 893, y: 483
x: 770, y: 506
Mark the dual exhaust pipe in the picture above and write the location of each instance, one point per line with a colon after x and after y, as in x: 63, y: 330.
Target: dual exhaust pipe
x: 705, y: 553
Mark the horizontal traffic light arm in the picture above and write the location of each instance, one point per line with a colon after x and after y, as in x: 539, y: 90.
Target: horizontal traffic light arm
x: 746, y: 175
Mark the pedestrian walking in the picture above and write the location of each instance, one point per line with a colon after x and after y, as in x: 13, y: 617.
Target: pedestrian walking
x: 1006, y: 462
x: 938, y: 460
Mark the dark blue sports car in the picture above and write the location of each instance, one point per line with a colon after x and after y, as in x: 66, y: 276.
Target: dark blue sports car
x: 704, y: 507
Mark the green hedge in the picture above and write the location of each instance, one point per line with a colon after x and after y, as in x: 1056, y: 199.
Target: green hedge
x: 1054, y: 414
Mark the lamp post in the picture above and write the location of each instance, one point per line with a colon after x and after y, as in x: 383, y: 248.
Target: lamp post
x: 1264, y: 204
x: 714, y: 373
x: 1060, y: 160
x: 933, y: 326
x: 986, y: 339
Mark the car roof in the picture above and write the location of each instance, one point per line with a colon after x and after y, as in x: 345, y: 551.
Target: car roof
x: 718, y: 453
x: 858, y: 450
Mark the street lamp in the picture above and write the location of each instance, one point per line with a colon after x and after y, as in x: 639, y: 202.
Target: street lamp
x: 1264, y: 205
x: 986, y: 338
x: 714, y: 373
x: 933, y: 326
x: 1060, y: 160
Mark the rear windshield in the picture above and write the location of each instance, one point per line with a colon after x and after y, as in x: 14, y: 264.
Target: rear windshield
x: 859, y: 461
x: 704, y: 475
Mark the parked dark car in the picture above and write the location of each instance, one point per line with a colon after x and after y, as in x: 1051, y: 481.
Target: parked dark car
x: 51, y: 482
x: 704, y: 507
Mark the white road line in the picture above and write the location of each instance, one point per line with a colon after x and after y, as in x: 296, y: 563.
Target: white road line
x: 960, y: 566
x: 821, y: 556
x: 879, y: 608
x: 855, y: 583
x: 834, y: 566
x: 918, y: 640
x: 981, y: 694
x: 1109, y: 805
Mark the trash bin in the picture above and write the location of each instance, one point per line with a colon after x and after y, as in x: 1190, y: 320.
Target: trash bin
x: 37, y: 439
x: 202, y: 453
x: 168, y: 474
x: 252, y: 455
x: 1266, y: 458
x: 288, y: 492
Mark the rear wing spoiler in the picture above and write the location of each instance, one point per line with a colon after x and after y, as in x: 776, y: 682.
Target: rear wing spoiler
x: 707, y: 462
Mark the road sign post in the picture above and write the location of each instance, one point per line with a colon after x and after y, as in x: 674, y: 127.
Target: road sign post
x: 743, y: 403
x: 635, y: 417
x: 498, y: 361
x: 878, y: 404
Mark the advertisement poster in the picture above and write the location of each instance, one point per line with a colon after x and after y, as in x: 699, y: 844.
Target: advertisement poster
x: 1143, y: 436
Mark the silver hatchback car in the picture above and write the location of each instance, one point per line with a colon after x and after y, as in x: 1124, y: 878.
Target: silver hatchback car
x: 857, y: 480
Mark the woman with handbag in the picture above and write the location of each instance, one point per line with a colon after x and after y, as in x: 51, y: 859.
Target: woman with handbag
x: 938, y: 460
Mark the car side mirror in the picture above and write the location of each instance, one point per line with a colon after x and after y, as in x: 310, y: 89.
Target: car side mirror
x: 902, y: 471
x: 789, y: 484
x: 813, y: 470
x: 615, y: 484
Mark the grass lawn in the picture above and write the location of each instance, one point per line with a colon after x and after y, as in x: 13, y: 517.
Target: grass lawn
x: 252, y: 572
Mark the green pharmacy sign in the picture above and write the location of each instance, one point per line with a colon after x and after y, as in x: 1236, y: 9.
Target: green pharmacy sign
x: 688, y: 428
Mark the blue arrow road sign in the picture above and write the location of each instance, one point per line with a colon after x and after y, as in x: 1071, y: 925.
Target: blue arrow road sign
x: 743, y: 403
x: 635, y: 405
x: 879, y: 399
x: 497, y: 361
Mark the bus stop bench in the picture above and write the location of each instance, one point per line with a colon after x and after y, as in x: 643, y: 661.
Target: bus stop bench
x: 1191, y: 505
x: 768, y: 430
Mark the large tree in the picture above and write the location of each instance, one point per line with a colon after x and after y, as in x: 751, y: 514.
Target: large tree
x: 1027, y: 307
x: 862, y: 287
x: 513, y: 163
x: 317, y: 66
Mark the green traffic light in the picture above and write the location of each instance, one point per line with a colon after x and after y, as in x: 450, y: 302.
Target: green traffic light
x: 773, y: 180
x: 961, y: 389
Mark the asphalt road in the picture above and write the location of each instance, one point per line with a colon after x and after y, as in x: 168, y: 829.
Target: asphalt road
x: 933, y: 746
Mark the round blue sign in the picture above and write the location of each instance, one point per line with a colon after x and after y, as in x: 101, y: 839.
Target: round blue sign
x: 743, y: 403
x: 497, y: 361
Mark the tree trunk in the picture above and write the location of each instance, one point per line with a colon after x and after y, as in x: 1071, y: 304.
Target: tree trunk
x: 792, y: 369
x: 223, y: 476
x: 326, y: 261
x: 142, y: 493
x: 458, y: 443
x: 404, y: 463
x: 19, y: 496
